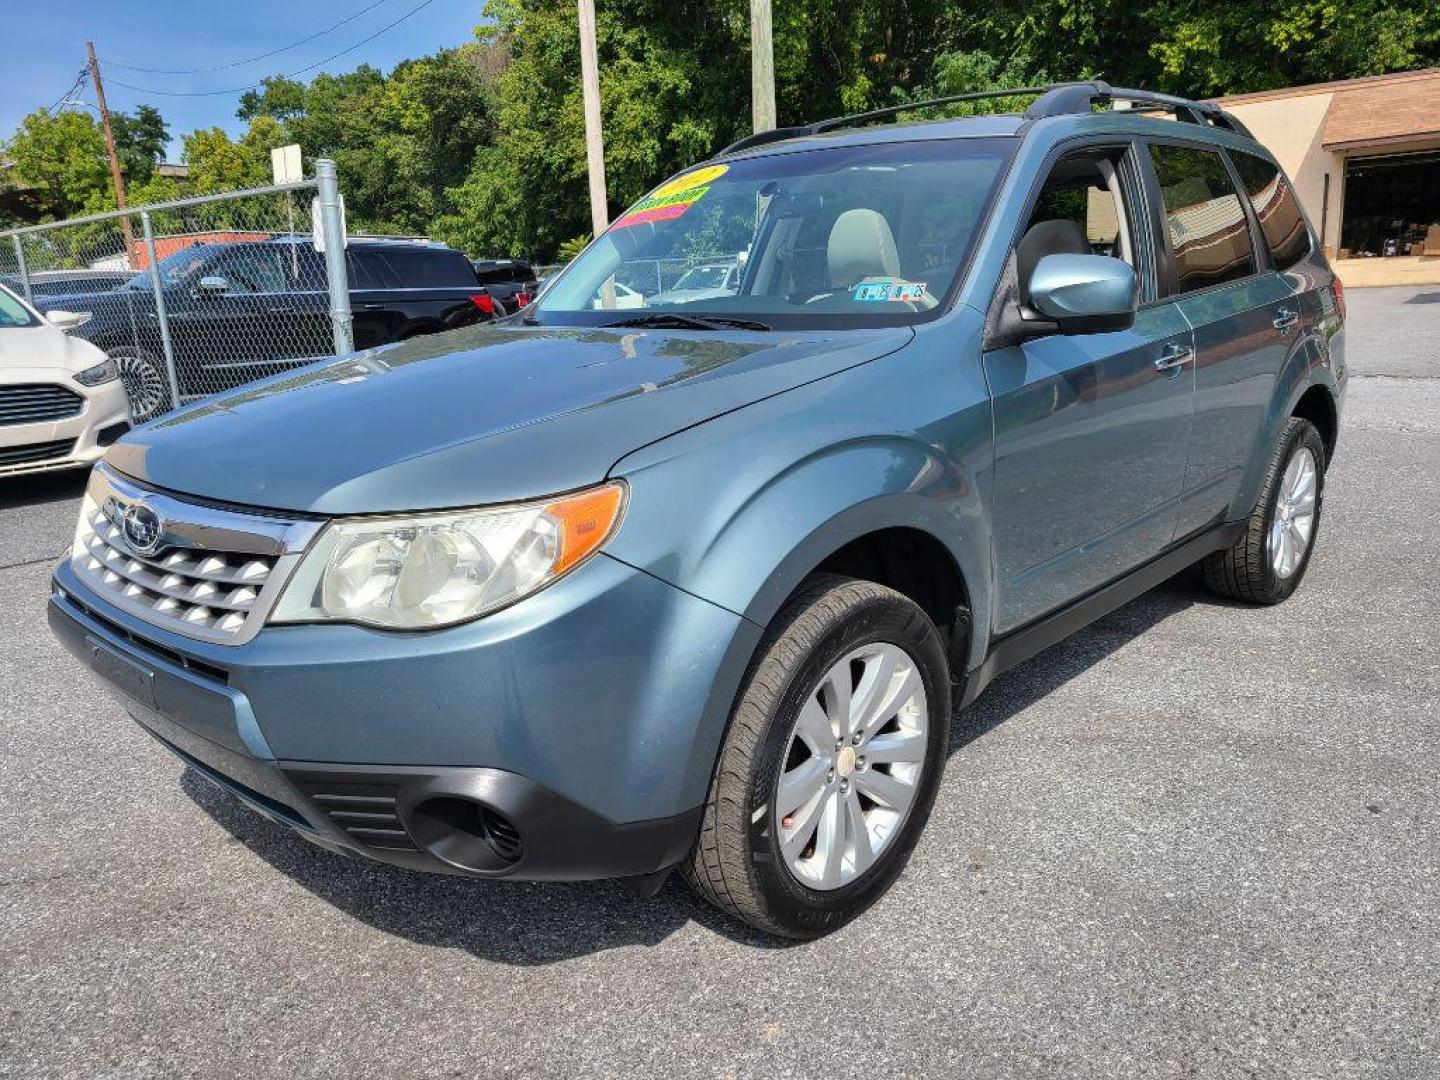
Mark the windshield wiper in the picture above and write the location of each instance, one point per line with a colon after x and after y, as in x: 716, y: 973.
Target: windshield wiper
x: 674, y: 320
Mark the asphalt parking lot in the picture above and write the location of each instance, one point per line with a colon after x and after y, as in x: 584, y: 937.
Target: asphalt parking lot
x: 1196, y: 840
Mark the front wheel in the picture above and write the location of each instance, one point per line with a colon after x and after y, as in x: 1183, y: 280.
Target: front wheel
x: 829, y: 769
x: 1268, y: 561
x: 144, y: 382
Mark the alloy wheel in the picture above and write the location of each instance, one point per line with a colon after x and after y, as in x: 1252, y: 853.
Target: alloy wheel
x: 852, y: 766
x: 143, y: 385
x: 1293, y: 522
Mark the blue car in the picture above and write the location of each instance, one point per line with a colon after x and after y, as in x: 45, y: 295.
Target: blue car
x: 606, y: 591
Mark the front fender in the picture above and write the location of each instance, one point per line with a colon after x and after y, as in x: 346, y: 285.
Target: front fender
x: 739, y: 510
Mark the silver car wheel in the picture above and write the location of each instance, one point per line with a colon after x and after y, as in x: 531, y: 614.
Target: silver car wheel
x: 143, y: 383
x: 852, y: 766
x: 1294, y: 520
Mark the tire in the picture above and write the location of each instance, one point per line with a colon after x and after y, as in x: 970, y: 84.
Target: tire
x: 144, y: 379
x: 834, y: 626
x: 1255, y: 570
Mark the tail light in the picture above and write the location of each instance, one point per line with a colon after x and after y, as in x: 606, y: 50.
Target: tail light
x: 522, y: 299
x: 485, y: 302
x: 1340, y: 297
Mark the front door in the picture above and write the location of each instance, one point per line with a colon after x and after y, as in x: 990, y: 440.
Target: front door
x: 1091, y: 430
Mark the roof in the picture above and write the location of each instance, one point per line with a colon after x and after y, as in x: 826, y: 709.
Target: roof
x: 1384, y: 112
x: 971, y: 127
x: 1337, y: 86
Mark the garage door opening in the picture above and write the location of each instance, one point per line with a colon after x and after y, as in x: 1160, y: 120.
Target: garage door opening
x: 1392, y: 204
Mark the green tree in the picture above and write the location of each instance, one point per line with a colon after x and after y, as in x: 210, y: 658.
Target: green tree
x: 140, y: 141
x: 60, y: 157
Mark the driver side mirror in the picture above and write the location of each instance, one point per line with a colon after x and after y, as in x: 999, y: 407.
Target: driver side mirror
x: 212, y: 285
x: 1084, y: 294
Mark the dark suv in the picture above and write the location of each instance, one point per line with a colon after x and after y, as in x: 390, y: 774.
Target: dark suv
x: 698, y: 583
x: 240, y: 311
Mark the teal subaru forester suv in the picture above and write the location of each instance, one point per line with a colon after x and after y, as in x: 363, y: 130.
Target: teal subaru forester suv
x: 647, y: 578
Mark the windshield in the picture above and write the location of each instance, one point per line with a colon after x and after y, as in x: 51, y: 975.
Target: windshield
x: 13, y: 313
x: 177, y: 268
x: 845, y: 236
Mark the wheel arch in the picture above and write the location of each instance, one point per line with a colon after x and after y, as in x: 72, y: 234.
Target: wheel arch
x: 1317, y: 404
x: 885, y: 509
x: 1305, y: 387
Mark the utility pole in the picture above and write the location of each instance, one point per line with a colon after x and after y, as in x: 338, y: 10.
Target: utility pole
x: 762, y: 67
x: 115, y: 175
x: 594, y: 143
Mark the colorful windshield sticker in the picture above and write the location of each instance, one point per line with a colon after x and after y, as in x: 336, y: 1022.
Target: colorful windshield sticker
x: 893, y: 290
x: 671, y: 200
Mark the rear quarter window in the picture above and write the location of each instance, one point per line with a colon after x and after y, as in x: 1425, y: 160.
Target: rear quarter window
x: 1276, y: 208
x: 437, y: 269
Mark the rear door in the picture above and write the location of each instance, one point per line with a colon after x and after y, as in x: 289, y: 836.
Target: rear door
x: 1090, y: 429
x: 1244, y: 314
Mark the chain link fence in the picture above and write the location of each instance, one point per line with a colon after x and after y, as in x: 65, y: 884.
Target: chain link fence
x: 199, y: 295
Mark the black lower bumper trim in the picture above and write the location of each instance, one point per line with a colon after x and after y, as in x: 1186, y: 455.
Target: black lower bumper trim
x: 386, y: 813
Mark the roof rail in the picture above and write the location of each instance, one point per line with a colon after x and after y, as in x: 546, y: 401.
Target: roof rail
x: 1056, y: 99
x: 1071, y: 98
x: 760, y: 138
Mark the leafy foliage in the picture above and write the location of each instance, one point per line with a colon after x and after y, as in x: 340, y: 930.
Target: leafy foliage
x: 483, y: 144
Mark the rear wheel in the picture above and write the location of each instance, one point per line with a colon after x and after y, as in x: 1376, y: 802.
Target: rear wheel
x: 144, y: 381
x: 1269, y: 560
x: 831, y: 763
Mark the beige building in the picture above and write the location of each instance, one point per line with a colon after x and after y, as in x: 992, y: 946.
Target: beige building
x: 1364, y: 155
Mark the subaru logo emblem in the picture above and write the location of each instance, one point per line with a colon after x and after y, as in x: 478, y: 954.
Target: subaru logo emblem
x: 141, y: 527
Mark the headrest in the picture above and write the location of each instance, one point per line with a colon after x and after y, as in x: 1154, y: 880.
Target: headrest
x: 1060, y: 236
x: 861, y: 245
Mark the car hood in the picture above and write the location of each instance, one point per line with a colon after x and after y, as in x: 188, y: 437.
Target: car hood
x: 40, y: 353
x: 485, y: 414
x: 91, y: 300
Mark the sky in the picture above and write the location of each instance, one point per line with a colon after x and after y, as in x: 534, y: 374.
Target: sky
x: 42, y: 49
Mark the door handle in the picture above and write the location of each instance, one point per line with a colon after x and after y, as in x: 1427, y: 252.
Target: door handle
x: 1285, y: 320
x: 1174, y: 356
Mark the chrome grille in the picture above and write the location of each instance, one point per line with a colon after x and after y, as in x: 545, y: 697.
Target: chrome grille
x: 33, y: 403
x: 212, y: 574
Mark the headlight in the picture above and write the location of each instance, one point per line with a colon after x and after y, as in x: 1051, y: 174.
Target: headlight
x: 429, y: 570
x: 103, y: 372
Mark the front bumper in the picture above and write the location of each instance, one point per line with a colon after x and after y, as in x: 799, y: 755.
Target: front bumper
x: 569, y: 737
x: 69, y: 442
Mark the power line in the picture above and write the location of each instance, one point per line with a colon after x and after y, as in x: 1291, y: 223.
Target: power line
x: 288, y: 75
x: 250, y: 59
x: 74, y: 86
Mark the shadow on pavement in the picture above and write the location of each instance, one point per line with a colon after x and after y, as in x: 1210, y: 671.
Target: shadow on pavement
x: 41, y: 488
x: 529, y: 924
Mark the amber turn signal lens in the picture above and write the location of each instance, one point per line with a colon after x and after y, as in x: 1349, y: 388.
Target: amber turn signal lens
x: 586, y: 521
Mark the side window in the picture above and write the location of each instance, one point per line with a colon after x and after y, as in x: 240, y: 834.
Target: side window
x: 434, y: 269
x: 1276, y: 208
x: 364, y: 274
x: 1203, y: 218
x: 1082, y: 210
x: 253, y: 268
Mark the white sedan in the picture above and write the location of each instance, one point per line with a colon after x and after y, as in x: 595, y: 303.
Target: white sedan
x: 626, y: 298
x: 61, y: 398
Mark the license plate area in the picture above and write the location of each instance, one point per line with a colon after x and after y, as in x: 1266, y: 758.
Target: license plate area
x: 134, y: 680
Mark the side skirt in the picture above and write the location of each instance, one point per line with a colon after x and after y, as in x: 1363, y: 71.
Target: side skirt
x: 1020, y: 645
